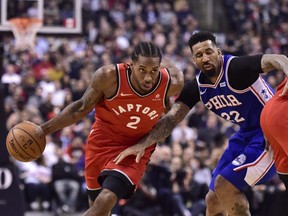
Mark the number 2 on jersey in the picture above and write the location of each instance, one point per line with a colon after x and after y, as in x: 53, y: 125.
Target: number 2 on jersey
x: 134, y: 121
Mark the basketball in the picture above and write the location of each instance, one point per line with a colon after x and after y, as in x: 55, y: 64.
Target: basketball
x: 26, y: 141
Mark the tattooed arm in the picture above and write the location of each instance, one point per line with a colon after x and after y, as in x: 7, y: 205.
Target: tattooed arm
x: 271, y: 62
x: 101, y: 83
x: 176, y: 84
x: 160, y: 131
x: 177, y: 77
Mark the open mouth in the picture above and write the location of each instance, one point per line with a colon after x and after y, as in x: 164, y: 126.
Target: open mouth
x: 208, y: 67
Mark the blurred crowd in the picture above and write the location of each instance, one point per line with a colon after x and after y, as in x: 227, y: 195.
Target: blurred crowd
x: 55, y: 13
x: 41, y: 82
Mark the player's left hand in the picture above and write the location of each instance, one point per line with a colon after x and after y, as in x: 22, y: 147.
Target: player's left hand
x: 285, y: 90
x: 138, y: 150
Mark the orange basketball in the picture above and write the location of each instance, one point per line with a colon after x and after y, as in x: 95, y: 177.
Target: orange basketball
x: 26, y: 141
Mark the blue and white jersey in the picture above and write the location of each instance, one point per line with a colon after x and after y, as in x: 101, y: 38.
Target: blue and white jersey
x: 242, y: 107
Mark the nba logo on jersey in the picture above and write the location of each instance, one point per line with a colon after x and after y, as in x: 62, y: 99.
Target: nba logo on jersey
x: 239, y: 160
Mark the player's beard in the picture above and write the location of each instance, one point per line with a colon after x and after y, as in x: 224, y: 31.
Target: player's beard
x: 213, y: 71
x: 210, y: 73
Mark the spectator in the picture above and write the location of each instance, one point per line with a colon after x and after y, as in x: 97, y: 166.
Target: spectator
x: 10, y: 76
x: 66, y: 183
x: 37, y: 177
x: 52, y: 13
x: 183, y: 134
x: 189, y: 195
x: 42, y: 67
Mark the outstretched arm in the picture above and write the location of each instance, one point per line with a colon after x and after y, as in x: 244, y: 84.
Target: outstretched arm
x: 77, y: 110
x: 271, y: 62
x: 73, y: 112
x: 161, y: 130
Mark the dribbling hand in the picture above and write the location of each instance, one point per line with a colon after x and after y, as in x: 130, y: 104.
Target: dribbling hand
x: 138, y: 150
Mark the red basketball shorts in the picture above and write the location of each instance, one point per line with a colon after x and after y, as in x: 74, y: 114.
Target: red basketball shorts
x: 99, y: 155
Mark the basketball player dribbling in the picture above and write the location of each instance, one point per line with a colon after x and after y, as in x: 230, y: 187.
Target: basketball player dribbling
x: 128, y: 99
x: 232, y: 88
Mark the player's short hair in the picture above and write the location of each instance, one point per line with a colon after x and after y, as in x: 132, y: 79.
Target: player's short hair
x: 146, y: 49
x: 200, y: 37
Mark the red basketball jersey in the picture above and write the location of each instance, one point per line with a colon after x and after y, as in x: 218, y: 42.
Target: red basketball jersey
x: 128, y: 115
x: 274, y: 124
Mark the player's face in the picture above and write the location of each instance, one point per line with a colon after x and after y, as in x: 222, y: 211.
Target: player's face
x: 145, y: 73
x: 207, y: 57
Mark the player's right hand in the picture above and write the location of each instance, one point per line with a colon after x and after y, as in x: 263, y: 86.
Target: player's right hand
x: 138, y: 150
